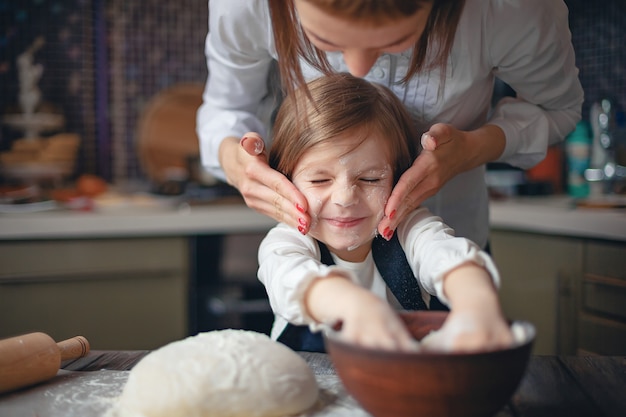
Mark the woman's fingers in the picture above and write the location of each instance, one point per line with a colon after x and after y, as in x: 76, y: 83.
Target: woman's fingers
x: 439, y: 134
x: 429, y: 142
x: 431, y: 170
x: 253, y: 143
x: 268, y: 191
x: 418, y: 183
x: 267, y: 196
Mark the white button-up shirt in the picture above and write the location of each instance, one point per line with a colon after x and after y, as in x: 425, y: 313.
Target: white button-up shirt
x: 527, y: 44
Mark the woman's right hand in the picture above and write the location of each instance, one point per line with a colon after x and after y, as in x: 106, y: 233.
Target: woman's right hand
x: 263, y: 188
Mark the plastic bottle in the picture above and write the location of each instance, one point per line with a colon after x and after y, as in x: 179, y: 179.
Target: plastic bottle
x: 578, y: 150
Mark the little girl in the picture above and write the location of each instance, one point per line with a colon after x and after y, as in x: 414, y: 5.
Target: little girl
x: 344, y: 147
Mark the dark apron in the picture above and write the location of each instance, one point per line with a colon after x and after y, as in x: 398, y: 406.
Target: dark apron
x: 391, y: 262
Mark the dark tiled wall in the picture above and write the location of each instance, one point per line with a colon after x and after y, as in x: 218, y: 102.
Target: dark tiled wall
x: 102, y: 56
x: 103, y: 60
x: 599, y: 38
x: 67, y: 82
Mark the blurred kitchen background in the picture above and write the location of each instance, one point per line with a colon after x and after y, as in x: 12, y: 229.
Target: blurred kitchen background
x: 103, y: 61
x: 119, y: 82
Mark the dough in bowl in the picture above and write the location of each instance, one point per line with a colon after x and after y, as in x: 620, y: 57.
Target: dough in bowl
x: 224, y: 373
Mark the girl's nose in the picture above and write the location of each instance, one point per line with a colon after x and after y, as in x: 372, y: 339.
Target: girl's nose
x: 359, y: 62
x: 345, y: 195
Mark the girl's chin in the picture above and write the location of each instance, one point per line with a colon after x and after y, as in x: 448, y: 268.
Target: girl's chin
x: 345, y: 243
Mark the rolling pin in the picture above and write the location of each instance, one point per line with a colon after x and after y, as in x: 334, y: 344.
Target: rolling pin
x: 34, y: 358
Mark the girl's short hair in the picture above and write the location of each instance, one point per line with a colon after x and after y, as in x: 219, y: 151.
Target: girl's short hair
x: 336, y: 104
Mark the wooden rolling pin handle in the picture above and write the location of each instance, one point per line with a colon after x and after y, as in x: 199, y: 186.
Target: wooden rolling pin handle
x: 73, y: 348
x: 35, y: 357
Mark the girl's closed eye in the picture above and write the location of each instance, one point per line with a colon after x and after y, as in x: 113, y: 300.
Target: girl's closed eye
x: 371, y: 180
x: 319, y: 181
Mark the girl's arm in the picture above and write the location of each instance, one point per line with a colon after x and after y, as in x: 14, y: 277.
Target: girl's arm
x: 476, y: 321
x: 462, y: 276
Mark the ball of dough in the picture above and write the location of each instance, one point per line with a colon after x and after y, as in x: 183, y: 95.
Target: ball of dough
x: 225, y: 373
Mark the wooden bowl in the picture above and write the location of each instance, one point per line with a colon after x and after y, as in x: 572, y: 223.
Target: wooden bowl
x: 433, y: 384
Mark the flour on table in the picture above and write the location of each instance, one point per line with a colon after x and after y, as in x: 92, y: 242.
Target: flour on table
x: 225, y: 373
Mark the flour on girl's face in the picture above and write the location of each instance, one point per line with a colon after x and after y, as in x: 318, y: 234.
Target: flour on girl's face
x: 346, y: 189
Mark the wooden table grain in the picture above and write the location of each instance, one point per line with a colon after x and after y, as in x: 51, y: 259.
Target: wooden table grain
x: 553, y: 386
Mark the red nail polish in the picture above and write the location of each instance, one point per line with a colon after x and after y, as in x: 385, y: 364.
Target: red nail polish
x: 392, y: 214
x: 302, y: 222
x: 302, y: 230
x: 388, y: 234
x: 299, y: 208
x: 386, y: 231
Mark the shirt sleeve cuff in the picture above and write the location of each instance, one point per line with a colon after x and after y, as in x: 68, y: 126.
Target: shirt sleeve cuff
x: 478, y: 257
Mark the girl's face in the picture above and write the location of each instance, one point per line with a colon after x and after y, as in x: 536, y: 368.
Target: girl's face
x: 346, y: 190
x: 360, y: 43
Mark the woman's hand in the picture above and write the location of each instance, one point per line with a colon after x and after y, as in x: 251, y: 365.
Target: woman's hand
x: 263, y: 189
x: 446, y: 153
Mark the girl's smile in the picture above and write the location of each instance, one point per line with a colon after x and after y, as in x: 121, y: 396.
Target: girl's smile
x: 344, y: 222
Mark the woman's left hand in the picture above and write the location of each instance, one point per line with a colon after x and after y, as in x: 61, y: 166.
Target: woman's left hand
x: 447, y: 152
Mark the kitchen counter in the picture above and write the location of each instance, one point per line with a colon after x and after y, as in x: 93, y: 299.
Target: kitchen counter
x: 559, y: 216
x: 229, y: 215
x: 573, y: 386
x: 546, y: 215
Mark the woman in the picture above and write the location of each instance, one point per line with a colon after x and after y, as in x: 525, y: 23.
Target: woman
x: 344, y: 149
x: 440, y: 57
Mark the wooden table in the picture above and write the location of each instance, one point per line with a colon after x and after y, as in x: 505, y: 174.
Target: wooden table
x: 589, y: 386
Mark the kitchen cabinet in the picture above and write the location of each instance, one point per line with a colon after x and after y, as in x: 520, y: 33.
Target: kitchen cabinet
x: 535, y: 270
x: 128, y: 293
x: 602, y: 318
x: 572, y: 289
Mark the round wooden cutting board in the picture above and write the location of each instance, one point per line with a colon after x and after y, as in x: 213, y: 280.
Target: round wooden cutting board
x: 166, y: 132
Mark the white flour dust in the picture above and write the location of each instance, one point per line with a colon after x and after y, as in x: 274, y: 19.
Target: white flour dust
x: 69, y: 394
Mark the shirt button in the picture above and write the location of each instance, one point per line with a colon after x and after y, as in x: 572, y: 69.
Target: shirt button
x: 379, y: 73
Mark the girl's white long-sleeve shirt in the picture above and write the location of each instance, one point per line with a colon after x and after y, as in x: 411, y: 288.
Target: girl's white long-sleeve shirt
x: 527, y: 44
x: 289, y: 262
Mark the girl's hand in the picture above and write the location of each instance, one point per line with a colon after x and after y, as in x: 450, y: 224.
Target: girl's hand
x: 263, y: 189
x: 446, y: 153
x: 476, y: 321
x: 374, y: 324
x: 470, y: 331
x: 365, y: 319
